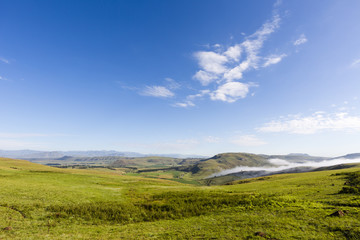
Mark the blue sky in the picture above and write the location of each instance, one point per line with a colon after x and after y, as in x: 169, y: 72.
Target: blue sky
x: 191, y: 77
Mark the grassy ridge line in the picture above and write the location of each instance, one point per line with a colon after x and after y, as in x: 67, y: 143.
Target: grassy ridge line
x: 81, y: 204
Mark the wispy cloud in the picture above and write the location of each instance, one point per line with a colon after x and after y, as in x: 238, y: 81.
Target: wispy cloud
x: 355, y: 63
x: 314, y: 123
x: 123, y: 85
x: 247, y: 141
x: 190, y: 98
x: 3, y: 79
x: 274, y: 59
x: 277, y: 3
x: 301, y: 40
x: 157, y: 91
x: 199, y: 95
x: 166, y: 90
x: 184, y: 104
x: 172, y: 84
x: 4, y: 60
x: 221, y: 65
x: 225, y: 67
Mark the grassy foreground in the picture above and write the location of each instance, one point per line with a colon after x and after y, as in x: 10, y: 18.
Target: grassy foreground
x: 41, y: 202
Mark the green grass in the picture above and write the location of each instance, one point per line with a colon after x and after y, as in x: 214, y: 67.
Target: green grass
x: 172, y: 175
x: 40, y: 202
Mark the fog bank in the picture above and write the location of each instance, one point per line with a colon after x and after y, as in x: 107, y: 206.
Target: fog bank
x: 281, y: 166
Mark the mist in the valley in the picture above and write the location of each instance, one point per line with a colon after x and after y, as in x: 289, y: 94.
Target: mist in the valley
x: 284, y: 166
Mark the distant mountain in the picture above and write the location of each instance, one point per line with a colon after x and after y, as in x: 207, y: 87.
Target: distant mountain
x: 350, y: 156
x: 32, y: 154
x: 17, y: 153
x: 296, y: 157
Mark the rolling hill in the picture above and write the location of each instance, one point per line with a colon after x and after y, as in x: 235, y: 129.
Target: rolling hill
x: 223, y: 161
x: 42, y: 202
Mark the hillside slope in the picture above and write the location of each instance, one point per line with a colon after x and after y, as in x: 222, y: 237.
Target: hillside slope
x: 223, y: 161
x: 40, y: 202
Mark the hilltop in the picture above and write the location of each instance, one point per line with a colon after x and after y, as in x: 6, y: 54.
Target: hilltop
x: 223, y: 161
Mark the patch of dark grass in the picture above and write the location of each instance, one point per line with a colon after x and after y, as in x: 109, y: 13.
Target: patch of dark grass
x: 23, y: 210
x: 351, y: 234
x: 352, y: 184
x: 247, y: 180
x: 168, y: 205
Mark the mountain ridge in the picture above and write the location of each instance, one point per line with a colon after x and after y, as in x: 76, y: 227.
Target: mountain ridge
x: 35, y: 154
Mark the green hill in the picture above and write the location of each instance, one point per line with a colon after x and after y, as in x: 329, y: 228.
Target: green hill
x: 224, y: 161
x: 41, y: 202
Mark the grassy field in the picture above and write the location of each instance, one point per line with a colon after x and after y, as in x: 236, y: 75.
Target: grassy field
x: 41, y: 202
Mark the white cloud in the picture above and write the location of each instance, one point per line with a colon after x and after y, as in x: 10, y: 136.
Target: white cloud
x: 200, y: 94
x: 3, y: 79
x: 247, y: 141
x: 172, y: 84
x: 205, y: 78
x: 157, y: 91
x: 355, y: 63
x: 277, y: 3
x: 225, y: 67
x: 4, y: 60
x: 230, y: 92
x: 233, y: 52
x: 301, y: 40
x: 255, y: 42
x: 218, y: 65
x: 314, y: 123
x: 236, y: 72
x: 268, y: 28
x: 211, y: 62
x: 189, y: 99
x: 274, y: 59
x: 184, y: 104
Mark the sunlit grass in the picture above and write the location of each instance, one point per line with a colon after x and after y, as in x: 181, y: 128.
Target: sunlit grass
x: 40, y: 202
